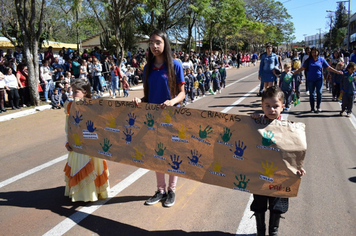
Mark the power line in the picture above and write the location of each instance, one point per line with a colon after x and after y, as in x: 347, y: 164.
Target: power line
x: 306, y: 5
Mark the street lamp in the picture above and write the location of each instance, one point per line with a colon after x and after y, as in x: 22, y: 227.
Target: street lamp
x: 348, y: 25
x: 305, y: 40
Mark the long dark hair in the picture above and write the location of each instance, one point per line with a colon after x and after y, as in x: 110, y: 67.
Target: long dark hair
x: 168, y: 59
x: 310, y: 56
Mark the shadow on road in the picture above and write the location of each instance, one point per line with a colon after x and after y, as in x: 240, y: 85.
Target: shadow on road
x: 353, y: 179
x: 53, y: 199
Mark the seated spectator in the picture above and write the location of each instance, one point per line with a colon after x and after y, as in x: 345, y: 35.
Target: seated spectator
x: 56, y: 99
x: 60, y: 83
x: 64, y: 96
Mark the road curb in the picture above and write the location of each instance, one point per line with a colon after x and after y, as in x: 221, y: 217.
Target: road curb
x: 24, y: 113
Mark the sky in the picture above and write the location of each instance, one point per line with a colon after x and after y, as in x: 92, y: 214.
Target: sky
x: 310, y: 15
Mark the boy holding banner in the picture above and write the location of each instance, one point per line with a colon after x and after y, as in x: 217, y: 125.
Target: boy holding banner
x: 272, y: 107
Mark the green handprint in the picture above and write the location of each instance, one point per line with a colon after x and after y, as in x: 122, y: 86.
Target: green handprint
x: 160, y: 151
x: 227, y: 135
x: 242, y: 182
x: 204, y: 134
x: 267, y: 138
x: 106, y: 146
x: 150, y: 121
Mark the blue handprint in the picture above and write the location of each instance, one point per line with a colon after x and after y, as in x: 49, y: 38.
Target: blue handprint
x: 195, y: 157
x: 239, y: 149
x: 78, y: 118
x: 175, y: 162
x: 128, y: 134
x: 132, y: 119
x: 267, y: 138
x: 90, y: 126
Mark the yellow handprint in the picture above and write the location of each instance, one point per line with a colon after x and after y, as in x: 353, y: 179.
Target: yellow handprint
x: 168, y: 113
x: 139, y: 153
x: 111, y: 123
x: 217, y: 167
x: 181, y: 133
x: 269, y: 171
x: 77, y: 140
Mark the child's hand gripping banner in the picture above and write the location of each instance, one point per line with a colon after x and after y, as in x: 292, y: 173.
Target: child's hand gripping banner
x: 222, y: 149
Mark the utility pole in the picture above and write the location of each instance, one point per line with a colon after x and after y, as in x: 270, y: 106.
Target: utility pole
x: 305, y: 40
x: 331, y: 23
x: 319, y: 39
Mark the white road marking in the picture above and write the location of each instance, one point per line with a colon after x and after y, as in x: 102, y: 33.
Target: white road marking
x: 85, y: 211
x: 32, y: 171
x: 240, y: 100
x: 353, y: 120
x: 241, y: 79
x: 247, y: 224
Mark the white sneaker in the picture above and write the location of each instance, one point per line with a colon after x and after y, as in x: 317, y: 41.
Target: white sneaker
x: 114, y: 96
x: 307, y: 93
x: 220, y: 91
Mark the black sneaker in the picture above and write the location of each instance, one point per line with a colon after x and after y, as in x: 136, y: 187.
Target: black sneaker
x: 171, y: 196
x: 156, y: 198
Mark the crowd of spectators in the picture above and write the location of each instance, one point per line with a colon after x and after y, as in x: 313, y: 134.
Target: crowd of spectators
x: 57, y: 71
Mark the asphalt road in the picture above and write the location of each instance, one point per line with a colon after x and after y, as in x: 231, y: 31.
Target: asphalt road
x: 32, y: 159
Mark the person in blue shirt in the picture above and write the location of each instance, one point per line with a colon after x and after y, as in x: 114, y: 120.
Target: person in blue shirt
x: 163, y: 83
x: 216, y: 78
x: 353, y: 56
x: 269, y: 61
x: 201, y: 80
x: 348, y: 86
x: 222, y: 71
x: 191, y: 84
x: 314, y: 66
x: 286, y: 83
x: 207, y: 83
x: 254, y: 58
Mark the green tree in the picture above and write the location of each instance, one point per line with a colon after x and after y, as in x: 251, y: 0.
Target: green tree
x: 278, y: 27
x: 222, y: 19
x: 339, y: 31
x: 117, y: 14
x: 27, y: 27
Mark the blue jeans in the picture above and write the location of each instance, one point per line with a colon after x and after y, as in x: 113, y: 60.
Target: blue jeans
x: 287, y: 98
x: 46, y: 89
x: 97, y: 86
x: 312, y: 86
x: 114, y: 84
x: 126, y: 94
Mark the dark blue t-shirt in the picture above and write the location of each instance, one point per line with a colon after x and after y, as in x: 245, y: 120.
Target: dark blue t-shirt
x: 158, y: 82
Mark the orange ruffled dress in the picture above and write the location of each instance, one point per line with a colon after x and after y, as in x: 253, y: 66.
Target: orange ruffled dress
x: 86, y: 177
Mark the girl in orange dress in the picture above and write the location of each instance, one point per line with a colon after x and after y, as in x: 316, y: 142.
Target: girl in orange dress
x: 86, y: 177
